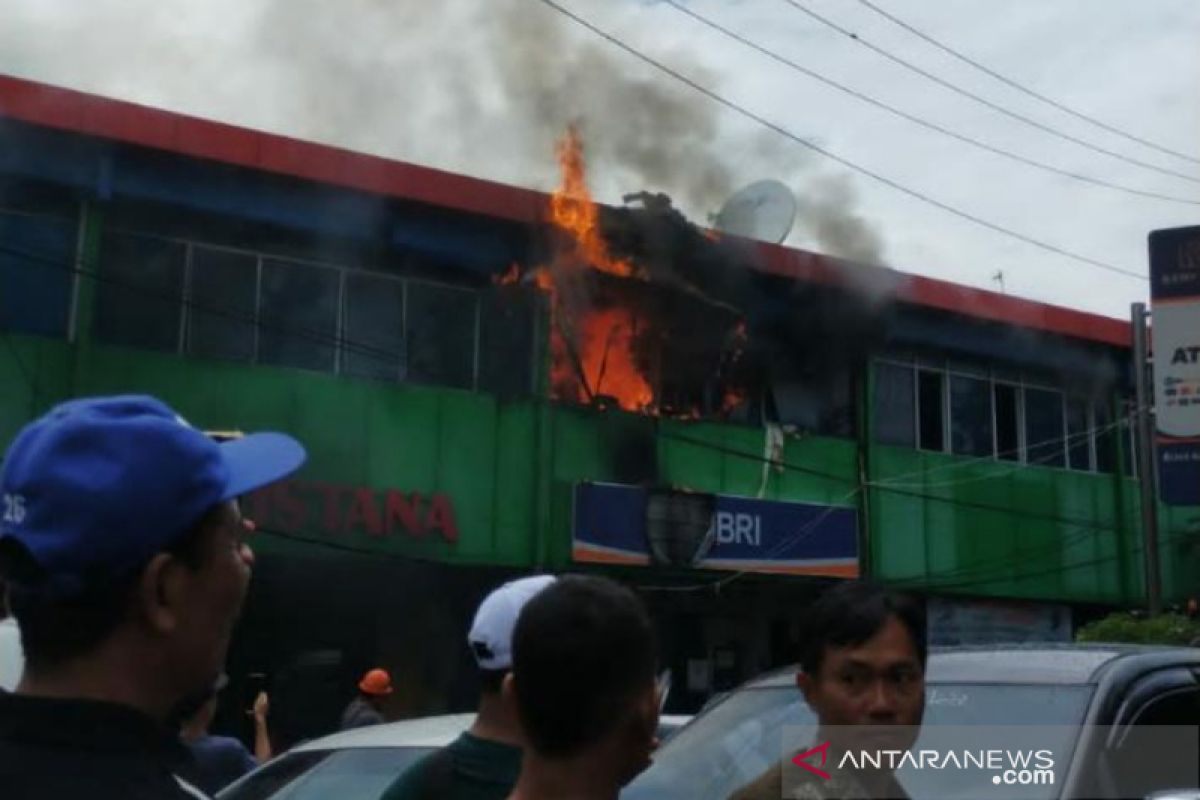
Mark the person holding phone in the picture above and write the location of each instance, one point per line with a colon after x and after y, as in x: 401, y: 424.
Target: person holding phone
x: 218, y: 761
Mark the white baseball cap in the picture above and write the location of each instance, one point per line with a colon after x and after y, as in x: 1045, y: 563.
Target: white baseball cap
x: 490, y: 638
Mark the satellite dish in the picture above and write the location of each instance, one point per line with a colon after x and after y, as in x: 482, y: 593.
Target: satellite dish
x: 764, y: 210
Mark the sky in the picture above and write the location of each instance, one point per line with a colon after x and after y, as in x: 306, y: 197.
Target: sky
x: 485, y: 87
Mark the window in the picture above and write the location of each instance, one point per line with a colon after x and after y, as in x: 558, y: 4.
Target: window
x: 1008, y: 422
x: 298, y: 315
x: 374, y: 344
x: 970, y: 416
x: 441, y: 324
x: 507, y: 340
x: 1079, y: 440
x: 139, y: 291
x: 1044, y: 427
x: 895, y: 405
x: 36, y: 275
x: 1106, y: 439
x: 931, y: 408
x: 222, y: 294
x: 1157, y: 750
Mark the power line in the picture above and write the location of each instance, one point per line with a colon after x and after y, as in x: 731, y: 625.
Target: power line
x: 733, y: 106
x: 933, y: 126
x: 945, y: 48
x: 908, y: 65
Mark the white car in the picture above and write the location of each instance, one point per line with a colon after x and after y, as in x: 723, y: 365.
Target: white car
x: 356, y: 764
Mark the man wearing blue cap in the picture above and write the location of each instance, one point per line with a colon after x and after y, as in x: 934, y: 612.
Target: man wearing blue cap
x: 122, y: 544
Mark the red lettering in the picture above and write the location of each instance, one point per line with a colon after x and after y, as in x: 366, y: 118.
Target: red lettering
x: 292, y: 507
x: 400, y: 508
x: 332, y: 518
x: 441, y: 517
x: 364, y: 514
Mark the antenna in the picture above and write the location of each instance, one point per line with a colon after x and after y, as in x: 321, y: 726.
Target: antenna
x: 999, y: 278
x: 764, y: 210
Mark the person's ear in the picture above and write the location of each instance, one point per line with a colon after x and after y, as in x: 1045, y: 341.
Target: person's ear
x: 160, y: 592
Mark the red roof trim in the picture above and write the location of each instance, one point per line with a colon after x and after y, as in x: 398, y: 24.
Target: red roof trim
x: 78, y: 112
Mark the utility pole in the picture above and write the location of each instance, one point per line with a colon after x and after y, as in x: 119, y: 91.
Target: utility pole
x: 1145, y: 455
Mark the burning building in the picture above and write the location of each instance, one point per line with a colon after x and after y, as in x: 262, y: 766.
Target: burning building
x: 492, y: 381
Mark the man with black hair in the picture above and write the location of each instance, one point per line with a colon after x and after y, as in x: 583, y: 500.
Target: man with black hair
x: 483, y: 763
x: 123, y: 548
x: 862, y: 671
x: 583, y: 684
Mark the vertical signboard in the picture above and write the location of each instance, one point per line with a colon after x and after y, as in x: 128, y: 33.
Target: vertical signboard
x: 1175, y: 306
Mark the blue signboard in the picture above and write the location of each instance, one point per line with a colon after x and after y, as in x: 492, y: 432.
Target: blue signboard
x: 1175, y: 302
x: 616, y: 524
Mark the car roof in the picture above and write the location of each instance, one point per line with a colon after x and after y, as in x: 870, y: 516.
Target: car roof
x: 435, y: 731
x: 1050, y: 663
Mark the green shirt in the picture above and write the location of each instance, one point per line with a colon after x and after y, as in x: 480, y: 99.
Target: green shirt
x: 478, y: 769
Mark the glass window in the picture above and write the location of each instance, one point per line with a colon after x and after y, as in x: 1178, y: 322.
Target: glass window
x: 895, y: 405
x: 931, y: 404
x: 1044, y: 427
x: 1079, y: 441
x: 970, y: 416
x: 36, y: 263
x: 1008, y: 426
x: 373, y: 345
x: 1106, y: 439
x: 441, y: 335
x: 297, y: 315
x: 222, y: 294
x: 507, y: 340
x: 140, y: 291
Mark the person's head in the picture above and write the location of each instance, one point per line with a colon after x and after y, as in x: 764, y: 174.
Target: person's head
x: 375, y: 686
x: 122, y: 540
x: 491, y: 633
x: 583, y: 677
x: 862, y: 657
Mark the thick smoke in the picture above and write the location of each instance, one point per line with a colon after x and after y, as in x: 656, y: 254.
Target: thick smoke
x: 483, y: 88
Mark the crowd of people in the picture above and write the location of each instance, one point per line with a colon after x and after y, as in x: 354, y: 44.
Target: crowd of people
x: 123, y: 549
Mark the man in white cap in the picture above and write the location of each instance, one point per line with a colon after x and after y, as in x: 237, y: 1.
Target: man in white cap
x: 484, y: 762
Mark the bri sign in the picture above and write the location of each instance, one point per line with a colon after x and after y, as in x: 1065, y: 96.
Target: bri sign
x: 616, y: 524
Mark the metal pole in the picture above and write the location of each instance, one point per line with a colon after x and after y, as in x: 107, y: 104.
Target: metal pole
x: 1145, y: 455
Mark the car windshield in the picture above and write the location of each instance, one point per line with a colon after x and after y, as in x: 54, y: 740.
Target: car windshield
x: 739, y: 739
x: 360, y: 773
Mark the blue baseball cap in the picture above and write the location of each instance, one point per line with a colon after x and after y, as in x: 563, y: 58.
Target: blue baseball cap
x: 97, y: 486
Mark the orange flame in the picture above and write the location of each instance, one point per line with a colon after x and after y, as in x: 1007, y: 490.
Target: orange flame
x: 573, y: 210
x: 593, y: 355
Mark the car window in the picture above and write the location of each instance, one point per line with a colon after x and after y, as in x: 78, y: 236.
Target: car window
x: 739, y: 739
x: 1173, y: 754
x: 361, y: 774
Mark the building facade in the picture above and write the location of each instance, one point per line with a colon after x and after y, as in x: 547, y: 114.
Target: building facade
x: 959, y: 443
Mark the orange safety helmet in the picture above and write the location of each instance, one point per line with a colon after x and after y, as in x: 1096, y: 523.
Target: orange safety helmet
x: 376, y: 682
